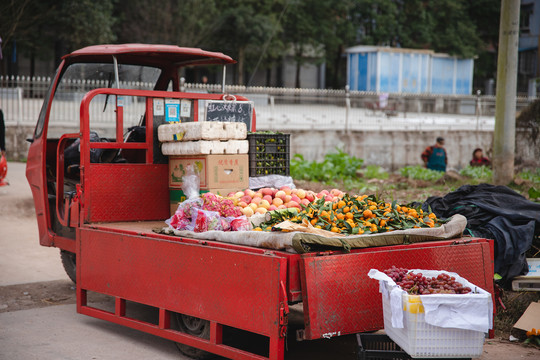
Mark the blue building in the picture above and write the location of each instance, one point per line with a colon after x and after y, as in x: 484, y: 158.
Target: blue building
x: 529, y: 39
x: 398, y: 70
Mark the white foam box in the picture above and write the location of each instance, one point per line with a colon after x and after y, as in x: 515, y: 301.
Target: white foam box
x: 422, y: 340
x: 204, y: 147
x: 202, y: 130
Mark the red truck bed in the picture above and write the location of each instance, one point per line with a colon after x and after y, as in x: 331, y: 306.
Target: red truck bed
x: 250, y: 288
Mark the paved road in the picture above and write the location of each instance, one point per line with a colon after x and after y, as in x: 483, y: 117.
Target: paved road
x: 48, y: 331
x: 58, y: 332
x: 38, y: 319
x: 22, y: 260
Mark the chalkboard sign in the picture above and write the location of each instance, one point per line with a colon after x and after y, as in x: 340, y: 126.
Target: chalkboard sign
x: 230, y: 111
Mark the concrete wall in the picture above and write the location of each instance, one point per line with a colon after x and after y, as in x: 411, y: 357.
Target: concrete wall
x: 388, y: 149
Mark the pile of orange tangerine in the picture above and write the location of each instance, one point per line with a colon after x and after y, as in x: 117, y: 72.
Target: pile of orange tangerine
x: 362, y: 214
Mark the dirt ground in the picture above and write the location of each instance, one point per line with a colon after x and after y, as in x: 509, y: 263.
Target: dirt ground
x: 39, y: 280
x: 406, y: 190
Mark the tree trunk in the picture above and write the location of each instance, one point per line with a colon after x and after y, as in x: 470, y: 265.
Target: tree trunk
x: 504, y: 139
x: 32, y: 72
x: 241, y: 55
x: 269, y: 77
x: 298, y: 66
x: 297, y: 78
x: 337, y: 67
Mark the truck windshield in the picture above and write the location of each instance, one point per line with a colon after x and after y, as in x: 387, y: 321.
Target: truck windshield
x: 78, y: 79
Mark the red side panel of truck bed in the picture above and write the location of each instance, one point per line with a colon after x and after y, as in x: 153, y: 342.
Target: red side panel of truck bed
x: 339, y: 298
x: 227, y: 287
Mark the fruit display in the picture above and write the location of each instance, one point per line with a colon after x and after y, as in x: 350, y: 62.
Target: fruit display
x: 208, y: 212
x: 418, y: 284
x: 357, y: 215
x: 332, y: 210
x: 268, y: 154
x: 269, y: 199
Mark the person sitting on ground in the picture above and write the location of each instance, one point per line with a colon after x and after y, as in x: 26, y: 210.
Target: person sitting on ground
x: 434, y: 157
x: 478, y: 158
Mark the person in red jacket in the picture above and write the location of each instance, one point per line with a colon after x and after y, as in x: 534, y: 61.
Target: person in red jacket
x: 3, y: 160
x: 434, y: 157
x: 478, y: 158
x: 2, y: 135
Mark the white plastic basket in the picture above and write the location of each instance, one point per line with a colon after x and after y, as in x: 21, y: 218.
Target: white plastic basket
x: 422, y: 340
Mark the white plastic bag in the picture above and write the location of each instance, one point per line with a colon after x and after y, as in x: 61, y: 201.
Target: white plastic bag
x: 191, y: 183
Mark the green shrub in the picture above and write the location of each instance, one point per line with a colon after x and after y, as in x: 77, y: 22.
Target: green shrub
x: 533, y: 176
x: 374, y: 172
x: 418, y: 172
x: 477, y: 172
x: 335, y: 166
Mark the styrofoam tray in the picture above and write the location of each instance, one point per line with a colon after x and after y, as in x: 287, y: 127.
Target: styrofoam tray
x: 202, y: 130
x: 204, y: 147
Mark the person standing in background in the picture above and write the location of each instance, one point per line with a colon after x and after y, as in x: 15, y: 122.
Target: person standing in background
x: 434, y: 157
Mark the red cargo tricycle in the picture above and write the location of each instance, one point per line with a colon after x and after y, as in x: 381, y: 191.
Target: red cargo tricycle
x: 100, y: 188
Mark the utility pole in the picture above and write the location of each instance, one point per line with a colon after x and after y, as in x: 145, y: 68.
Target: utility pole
x: 505, y: 107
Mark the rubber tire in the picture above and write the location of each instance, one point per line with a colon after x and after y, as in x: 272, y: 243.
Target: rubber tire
x: 196, y: 327
x: 69, y: 261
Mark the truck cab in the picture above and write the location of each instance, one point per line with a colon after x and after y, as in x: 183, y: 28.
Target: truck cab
x: 101, y: 93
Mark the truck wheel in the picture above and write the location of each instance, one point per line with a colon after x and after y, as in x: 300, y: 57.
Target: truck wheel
x: 69, y: 261
x: 197, y: 327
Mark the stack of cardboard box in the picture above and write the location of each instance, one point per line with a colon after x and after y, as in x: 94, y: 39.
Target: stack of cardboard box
x: 216, y: 150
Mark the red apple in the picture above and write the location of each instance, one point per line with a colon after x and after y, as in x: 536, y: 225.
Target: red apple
x: 246, y: 199
x: 256, y: 200
x: 291, y: 204
x: 266, y: 191
x: 280, y: 194
x: 248, y: 211
x: 265, y: 204
x: 286, y: 189
x: 295, y: 199
x: 277, y: 201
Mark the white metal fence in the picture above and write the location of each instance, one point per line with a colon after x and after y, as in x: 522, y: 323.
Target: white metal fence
x: 21, y: 99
